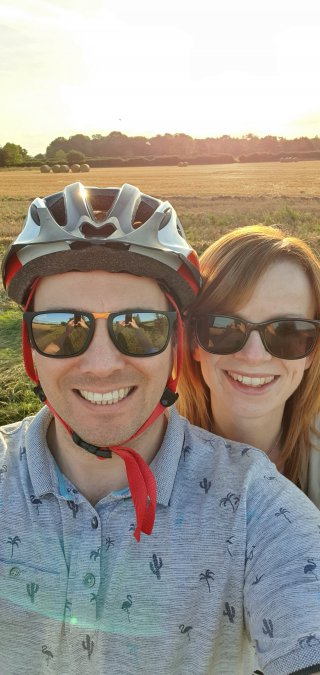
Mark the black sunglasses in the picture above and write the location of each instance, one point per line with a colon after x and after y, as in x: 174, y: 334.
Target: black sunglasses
x: 67, y: 332
x: 284, y: 338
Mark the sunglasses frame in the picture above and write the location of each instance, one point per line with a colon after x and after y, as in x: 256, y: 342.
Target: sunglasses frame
x: 250, y: 326
x: 93, y: 316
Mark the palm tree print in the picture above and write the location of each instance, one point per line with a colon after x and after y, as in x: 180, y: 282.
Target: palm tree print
x: 109, y: 542
x: 207, y: 576
x: 47, y: 653
x: 310, y: 568
x: 231, y: 499
x: 73, y: 507
x: 257, y: 580
x: 185, y: 630
x: 36, y: 501
x: 126, y: 605
x: 283, y: 512
x: 13, y: 541
x: 95, y: 554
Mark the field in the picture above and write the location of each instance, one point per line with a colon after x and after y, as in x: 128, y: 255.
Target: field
x: 209, y: 200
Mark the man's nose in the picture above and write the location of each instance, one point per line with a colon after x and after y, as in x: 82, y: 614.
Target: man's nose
x: 102, y: 355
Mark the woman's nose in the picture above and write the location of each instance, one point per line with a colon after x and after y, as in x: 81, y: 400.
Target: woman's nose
x: 254, y: 350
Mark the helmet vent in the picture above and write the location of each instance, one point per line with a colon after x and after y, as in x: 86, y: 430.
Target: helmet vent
x: 103, y: 231
x: 34, y: 214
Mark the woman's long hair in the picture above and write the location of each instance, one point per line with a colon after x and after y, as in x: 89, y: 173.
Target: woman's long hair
x: 231, y: 267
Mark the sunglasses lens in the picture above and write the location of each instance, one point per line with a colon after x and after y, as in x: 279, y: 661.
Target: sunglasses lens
x: 292, y: 339
x: 61, y: 333
x: 221, y: 334
x: 140, y: 333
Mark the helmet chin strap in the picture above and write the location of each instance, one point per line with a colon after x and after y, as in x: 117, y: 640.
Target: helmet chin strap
x: 141, y: 480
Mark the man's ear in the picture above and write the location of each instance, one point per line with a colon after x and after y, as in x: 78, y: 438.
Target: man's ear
x: 196, y: 352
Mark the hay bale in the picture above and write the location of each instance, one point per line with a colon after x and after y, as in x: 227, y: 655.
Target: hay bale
x: 64, y: 168
x: 75, y: 168
x: 56, y: 168
x: 84, y: 168
x: 45, y: 168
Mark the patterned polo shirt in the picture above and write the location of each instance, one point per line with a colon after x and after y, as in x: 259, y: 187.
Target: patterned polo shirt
x: 234, y: 556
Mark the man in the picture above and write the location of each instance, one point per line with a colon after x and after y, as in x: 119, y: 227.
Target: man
x: 234, y: 547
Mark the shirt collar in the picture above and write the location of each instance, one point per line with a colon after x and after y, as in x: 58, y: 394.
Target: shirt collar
x: 43, y: 469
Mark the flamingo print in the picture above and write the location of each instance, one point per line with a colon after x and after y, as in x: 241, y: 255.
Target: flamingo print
x: 36, y: 501
x: 231, y: 499
x: 95, y: 554
x: 127, y: 604
x: 47, y: 653
x: 185, y: 630
x: 3, y: 470
x: 309, y: 569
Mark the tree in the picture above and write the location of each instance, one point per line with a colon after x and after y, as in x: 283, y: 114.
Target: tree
x: 57, y: 144
x: 13, y: 154
x: 75, y: 157
x: 60, y: 157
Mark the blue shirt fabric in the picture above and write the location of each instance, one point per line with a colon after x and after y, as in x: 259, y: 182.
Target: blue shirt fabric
x: 234, y: 555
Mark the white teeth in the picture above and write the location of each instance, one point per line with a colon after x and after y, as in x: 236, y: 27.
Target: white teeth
x: 251, y: 381
x: 108, y: 398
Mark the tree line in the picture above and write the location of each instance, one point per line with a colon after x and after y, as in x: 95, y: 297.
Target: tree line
x: 102, y: 150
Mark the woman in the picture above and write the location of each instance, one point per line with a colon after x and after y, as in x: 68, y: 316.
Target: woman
x: 258, y: 384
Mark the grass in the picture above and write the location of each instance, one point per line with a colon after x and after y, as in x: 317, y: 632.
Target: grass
x: 210, y: 200
x: 16, y: 398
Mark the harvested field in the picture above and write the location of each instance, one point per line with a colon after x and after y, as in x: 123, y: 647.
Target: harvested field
x: 209, y: 199
x: 272, y: 179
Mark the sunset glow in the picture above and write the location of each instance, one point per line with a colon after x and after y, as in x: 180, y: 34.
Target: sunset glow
x: 145, y: 68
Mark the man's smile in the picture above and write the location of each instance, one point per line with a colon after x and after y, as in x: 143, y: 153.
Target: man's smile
x: 106, y: 398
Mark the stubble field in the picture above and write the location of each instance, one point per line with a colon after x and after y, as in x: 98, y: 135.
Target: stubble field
x: 210, y: 200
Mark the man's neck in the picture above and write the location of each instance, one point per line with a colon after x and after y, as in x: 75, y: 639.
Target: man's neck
x: 95, y: 478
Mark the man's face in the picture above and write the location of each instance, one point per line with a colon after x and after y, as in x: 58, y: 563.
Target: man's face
x: 135, y: 383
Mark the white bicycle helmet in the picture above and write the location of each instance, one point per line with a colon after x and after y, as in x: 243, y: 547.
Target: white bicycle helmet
x: 112, y: 229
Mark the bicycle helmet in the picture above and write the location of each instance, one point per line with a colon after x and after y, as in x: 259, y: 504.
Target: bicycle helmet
x: 112, y: 229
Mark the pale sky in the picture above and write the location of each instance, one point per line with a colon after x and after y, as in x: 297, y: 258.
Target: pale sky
x: 203, y: 68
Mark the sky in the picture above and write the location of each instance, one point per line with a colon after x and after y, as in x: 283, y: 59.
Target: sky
x: 204, y: 68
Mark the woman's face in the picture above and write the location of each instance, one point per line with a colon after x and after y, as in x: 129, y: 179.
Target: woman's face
x: 252, y: 383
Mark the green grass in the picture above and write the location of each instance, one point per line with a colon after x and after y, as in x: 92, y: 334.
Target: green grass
x: 16, y: 396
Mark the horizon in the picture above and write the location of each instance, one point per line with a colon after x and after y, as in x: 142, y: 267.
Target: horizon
x: 133, y: 69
